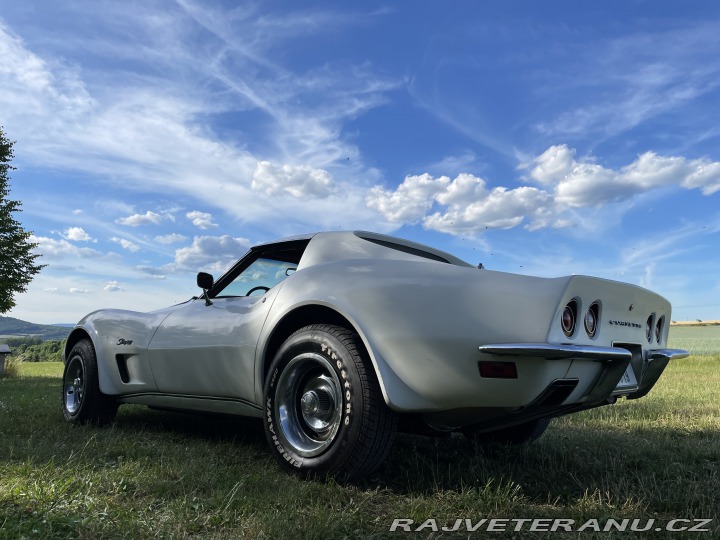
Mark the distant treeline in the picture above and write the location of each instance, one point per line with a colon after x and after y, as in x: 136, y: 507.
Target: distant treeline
x: 34, y: 349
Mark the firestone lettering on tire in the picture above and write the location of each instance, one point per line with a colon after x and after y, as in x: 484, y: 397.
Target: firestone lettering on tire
x: 280, y: 448
x: 346, y: 384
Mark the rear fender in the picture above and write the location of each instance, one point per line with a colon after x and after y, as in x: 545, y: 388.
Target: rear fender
x: 422, y: 323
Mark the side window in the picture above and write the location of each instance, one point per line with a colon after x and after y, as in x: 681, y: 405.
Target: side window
x: 261, y: 275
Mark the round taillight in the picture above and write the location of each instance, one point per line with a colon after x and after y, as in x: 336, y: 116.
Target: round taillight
x: 569, y: 315
x: 591, y: 320
x: 659, y: 329
x: 649, y: 328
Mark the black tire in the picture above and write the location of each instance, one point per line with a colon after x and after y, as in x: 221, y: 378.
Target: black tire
x: 514, y: 435
x: 325, y: 415
x: 82, y: 400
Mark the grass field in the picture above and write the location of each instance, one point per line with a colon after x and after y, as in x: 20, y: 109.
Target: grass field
x: 700, y: 340
x: 163, y: 475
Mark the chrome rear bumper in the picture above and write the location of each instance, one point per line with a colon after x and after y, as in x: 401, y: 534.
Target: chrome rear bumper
x: 615, y: 361
x: 561, y: 351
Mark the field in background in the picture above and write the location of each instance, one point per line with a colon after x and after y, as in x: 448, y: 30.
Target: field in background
x: 696, y: 322
x: 162, y: 475
x: 699, y: 340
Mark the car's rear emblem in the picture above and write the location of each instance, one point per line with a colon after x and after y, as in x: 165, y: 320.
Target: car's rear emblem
x: 625, y: 323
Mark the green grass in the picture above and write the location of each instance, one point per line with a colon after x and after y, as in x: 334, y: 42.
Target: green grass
x: 162, y: 475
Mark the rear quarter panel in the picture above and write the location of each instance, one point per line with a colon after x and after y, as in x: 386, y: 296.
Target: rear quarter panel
x: 422, y: 323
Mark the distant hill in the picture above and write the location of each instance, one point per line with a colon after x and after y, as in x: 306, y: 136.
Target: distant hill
x: 10, y: 327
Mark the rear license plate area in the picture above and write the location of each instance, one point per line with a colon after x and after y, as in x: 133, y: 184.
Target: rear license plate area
x: 629, y: 381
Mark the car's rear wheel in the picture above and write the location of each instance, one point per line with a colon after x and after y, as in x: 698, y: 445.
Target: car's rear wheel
x: 515, y: 435
x: 82, y: 400
x: 324, y: 410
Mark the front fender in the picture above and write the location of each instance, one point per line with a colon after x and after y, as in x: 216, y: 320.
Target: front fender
x: 121, y: 336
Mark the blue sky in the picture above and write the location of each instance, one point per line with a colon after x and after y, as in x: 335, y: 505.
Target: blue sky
x: 156, y: 139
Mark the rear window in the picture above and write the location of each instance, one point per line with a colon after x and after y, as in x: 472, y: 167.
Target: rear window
x: 406, y: 249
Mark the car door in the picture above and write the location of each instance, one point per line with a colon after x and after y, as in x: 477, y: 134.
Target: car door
x: 208, y: 348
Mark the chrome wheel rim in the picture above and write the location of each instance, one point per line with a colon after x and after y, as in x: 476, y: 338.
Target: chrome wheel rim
x: 74, y: 384
x: 308, y: 404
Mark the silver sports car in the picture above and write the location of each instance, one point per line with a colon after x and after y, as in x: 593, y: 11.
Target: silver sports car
x: 338, y: 339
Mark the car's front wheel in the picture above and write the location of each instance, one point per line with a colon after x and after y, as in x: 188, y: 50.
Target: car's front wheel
x: 324, y: 410
x: 82, y: 400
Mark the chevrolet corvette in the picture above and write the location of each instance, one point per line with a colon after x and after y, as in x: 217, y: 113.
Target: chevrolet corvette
x: 337, y: 340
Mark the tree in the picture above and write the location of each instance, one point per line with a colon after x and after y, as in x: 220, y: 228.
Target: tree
x: 17, y: 261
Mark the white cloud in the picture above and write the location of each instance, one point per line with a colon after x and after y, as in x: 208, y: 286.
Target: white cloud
x: 553, y: 165
x: 590, y: 184
x: 50, y: 289
x: 126, y: 244
x: 77, y: 212
x: 469, y: 206
x: 466, y: 205
x: 113, y: 286
x: 172, y: 238
x: 210, y: 253
x: 76, y: 290
x: 52, y: 249
x: 499, y: 208
x: 465, y: 189
x: 582, y: 183
x: 705, y: 176
x: 77, y: 234
x: 135, y: 220
x: 298, y: 181
x: 410, y: 202
x: 203, y: 220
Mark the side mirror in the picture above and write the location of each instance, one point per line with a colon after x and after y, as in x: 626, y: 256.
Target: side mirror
x: 205, y: 281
